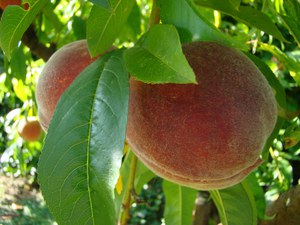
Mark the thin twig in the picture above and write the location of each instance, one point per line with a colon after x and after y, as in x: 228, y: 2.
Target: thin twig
x: 128, y: 192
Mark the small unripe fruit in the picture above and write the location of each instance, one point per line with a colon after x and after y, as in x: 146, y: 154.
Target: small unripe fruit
x: 57, y: 75
x: 205, y: 136
x: 30, y: 129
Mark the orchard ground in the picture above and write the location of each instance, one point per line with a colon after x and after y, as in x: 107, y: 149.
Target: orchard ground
x: 21, y: 203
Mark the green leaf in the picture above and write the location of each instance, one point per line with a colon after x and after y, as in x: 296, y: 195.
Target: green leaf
x: 49, y: 13
x: 235, y: 205
x: 292, y: 8
x: 79, y: 27
x: 82, y: 154
x: 14, y: 23
x: 293, y: 26
x: 132, y: 28
x: 104, y: 26
x: 158, y: 58
x: 258, y: 194
x: 246, y: 14
x: 292, y: 135
x: 143, y: 176
x: 191, y: 25
x: 180, y: 202
x: 235, y: 3
x: 18, y: 64
x: 291, y: 63
x: 292, y: 18
x: 21, y: 90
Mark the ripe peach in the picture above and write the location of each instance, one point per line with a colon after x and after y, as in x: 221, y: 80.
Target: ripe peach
x: 58, y: 73
x: 30, y: 129
x: 5, y: 3
x: 205, y: 136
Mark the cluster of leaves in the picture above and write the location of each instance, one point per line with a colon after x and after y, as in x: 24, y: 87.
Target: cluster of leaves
x: 82, y: 157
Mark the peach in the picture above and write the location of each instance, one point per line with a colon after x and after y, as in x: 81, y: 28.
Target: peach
x: 5, y: 3
x: 30, y: 129
x: 57, y: 75
x: 205, y: 136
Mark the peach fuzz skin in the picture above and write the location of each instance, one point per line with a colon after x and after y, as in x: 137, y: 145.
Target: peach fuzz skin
x: 206, y: 136
x: 57, y: 75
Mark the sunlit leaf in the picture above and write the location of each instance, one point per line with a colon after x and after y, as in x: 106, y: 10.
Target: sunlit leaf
x: 291, y: 63
x: 191, y: 25
x: 82, y: 154
x: 15, y: 21
x: 158, y: 58
x: 119, y: 185
x: 22, y: 91
x: 104, y: 26
x: 246, y: 14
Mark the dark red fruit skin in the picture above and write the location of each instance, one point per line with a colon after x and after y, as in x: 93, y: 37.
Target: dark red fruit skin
x: 5, y: 3
x: 57, y: 75
x: 205, y: 136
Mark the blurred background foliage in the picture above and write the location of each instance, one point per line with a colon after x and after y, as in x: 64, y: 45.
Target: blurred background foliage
x: 64, y: 21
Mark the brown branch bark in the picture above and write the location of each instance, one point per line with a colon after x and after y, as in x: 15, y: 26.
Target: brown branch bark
x: 205, y: 210
x: 31, y: 40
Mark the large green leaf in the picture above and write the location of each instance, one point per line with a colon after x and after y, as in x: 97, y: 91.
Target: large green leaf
x: 236, y: 205
x: 158, y: 57
x: 292, y: 18
x: 180, y: 202
x: 104, y: 25
x: 14, y: 23
x: 82, y: 154
x: 246, y: 14
x: 191, y: 25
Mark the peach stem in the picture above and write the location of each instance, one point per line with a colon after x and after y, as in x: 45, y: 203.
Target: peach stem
x: 129, y: 189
